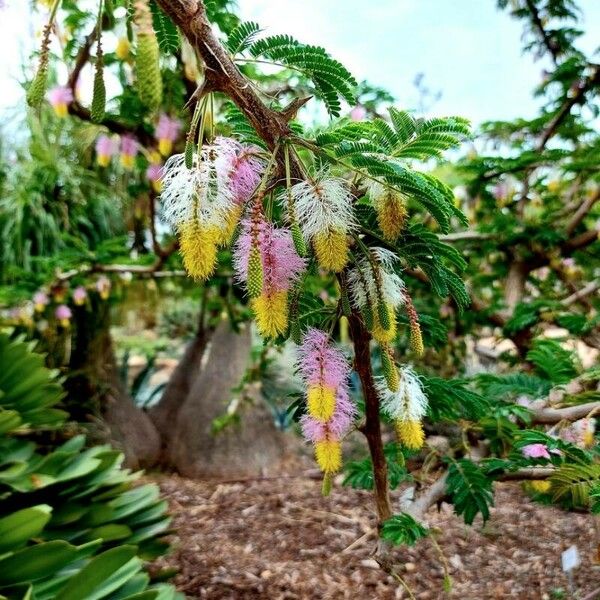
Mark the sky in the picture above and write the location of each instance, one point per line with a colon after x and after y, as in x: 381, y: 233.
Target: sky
x: 466, y: 49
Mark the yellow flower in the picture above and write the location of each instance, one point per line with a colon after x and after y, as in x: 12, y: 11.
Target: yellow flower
x: 410, y: 433
x: 122, y: 49
x: 381, y: 334
x: 541, y: 486
x: 329, y: 455
x: 103, y: 160
x: 61, y: 109
x: 416, y: 339
x: 198, y: 247
x: 331, y: 249
x: 165, y: 146
x: 127, y: 161
x: 321, y: 402
x: 391, y: 214
x: 271, y: 312
x: 228, y: 228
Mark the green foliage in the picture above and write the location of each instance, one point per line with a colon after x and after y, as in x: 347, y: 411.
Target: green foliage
x: 573, y: 483
x: 553, y: 361
x: 73, y: 524
x: 403, y: 530
x: 510, y: 386
x: 359, y: 473
x: 332, y: 81
x: 242, y: 37
x: 375, y: 150
x: 451, y: 399
x: 52, y: 203
x: 167, y: 33
x: 469, y: 489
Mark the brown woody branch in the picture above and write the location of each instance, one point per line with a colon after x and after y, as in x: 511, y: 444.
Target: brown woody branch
x: 222, y: 75
x: 565, y: 110
x: 550, y: 416
x: 549, y: 42
x: 582, y: 212
x: 372, y: 427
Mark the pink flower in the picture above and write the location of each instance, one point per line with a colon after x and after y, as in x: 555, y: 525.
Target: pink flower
x: 536, y: 451
x: 281, y: 264
x: 319, y: 361
x: 245, y: 174
x: 79, y: 295
x: 62, y: 312
x: 60, y: 97
x: 105, y: 148
x: 103, y: 286
x: 167, y: 128
x: 322, y: 365
x: 358, y: 113
x: 154, y: 174
x: 166, y: 133
x: 40, y: 299
x: 129, y: 150
x: 500, y: 191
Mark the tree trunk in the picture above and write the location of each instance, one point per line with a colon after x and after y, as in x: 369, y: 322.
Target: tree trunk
x: 246, y: 447
x: 96, y: 390
x: 164, y: 414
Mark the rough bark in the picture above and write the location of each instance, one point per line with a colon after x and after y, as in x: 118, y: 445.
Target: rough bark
x: 372, y: 428
x: 250, y: 447
x: 95, y: 385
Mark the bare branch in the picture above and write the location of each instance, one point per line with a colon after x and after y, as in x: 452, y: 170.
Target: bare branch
x: 581, y: 212
x: 527, y: 474
x: 585, y: 291
x: 550, y: 416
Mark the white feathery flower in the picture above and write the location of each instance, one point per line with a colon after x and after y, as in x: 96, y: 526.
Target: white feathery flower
x: 201, y: 193
x: 323, y: 204
x: 363, y: 286
x: 409, y: 403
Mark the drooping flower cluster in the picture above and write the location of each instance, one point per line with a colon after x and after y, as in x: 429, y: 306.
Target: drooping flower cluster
x: 63, y: 315
x: 390, y: 207
x: 280, y: 266
x: 323, y: 207
x: 325, y: 372
x: 79, y: 295
x: 406, y: 407
x: 105, y: 149
x: 204, y: 203
x: 377, y: 291
x: 167, y: 130
x: 60, y: 97
x: 103, y: 286
x: 129, y: 150
x: 40, y: 301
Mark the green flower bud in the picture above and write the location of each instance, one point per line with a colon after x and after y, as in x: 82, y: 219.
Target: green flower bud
x: 255, y: 273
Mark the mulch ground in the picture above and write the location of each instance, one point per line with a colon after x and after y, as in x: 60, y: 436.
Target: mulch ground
x: 280, y: 539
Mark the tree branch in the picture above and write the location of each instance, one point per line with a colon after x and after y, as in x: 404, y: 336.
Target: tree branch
x: 372, y: 428
x: 577, y: 98
x: 222, y: 75
x: 581, y: 212
x: 550, y: 416
x: 550, y: 43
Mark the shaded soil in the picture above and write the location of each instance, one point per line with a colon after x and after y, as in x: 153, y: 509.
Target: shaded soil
x: 280, y: 539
